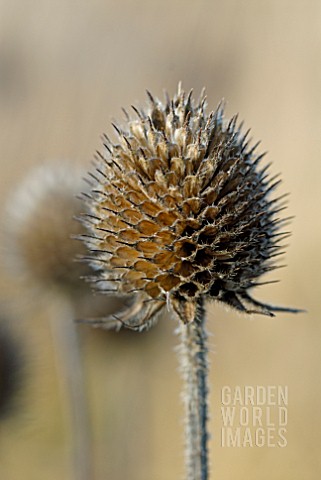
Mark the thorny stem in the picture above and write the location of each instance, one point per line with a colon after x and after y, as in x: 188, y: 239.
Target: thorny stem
x: 73, y: 389
x: 193, y: 365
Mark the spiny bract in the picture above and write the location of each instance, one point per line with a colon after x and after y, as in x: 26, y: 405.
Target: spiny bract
x: 180, y: 210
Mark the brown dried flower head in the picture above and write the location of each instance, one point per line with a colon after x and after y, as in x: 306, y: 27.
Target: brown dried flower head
x: 180, y: 210
x: 39, y: 227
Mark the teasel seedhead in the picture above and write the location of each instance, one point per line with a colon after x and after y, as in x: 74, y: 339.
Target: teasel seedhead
x: 39, y: 225
x: 180, y: 210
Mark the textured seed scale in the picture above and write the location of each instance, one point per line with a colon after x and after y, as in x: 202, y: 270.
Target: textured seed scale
x: 179, y: 210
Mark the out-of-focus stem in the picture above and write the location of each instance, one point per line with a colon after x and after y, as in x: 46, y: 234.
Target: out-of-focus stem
x: 193, y: 364
x: 73, y: 388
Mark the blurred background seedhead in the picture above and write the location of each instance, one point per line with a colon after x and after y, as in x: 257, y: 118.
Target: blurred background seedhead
x: 11, y: 371
x: 39, y: 227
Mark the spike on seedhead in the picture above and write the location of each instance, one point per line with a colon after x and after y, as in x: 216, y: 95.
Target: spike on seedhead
x: 187, y: 214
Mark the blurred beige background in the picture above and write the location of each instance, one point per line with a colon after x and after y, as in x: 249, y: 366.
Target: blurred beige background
x: 66, y: 68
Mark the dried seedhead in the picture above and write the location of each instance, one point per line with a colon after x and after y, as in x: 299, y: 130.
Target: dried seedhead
x: 180, y: 210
